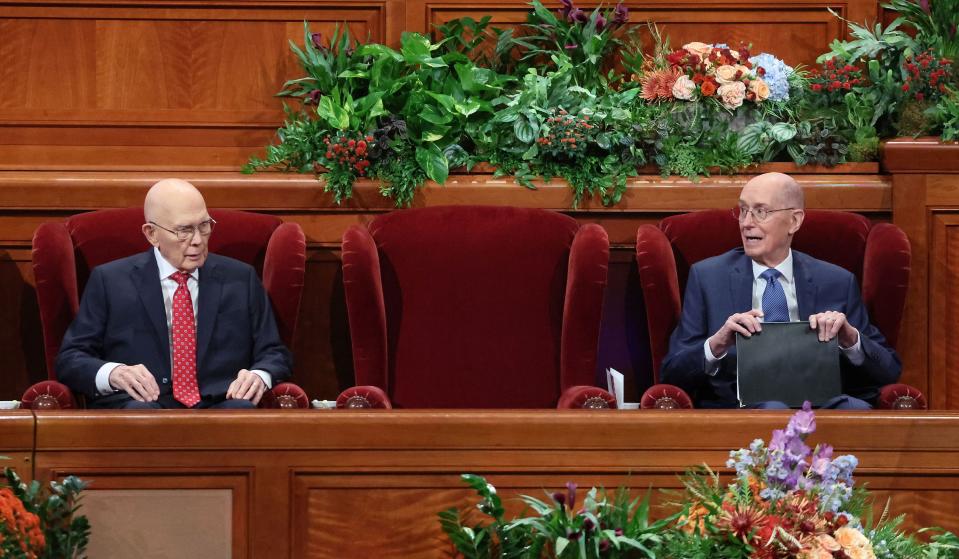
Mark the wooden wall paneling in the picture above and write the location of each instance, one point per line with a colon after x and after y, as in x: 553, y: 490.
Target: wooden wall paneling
x: 190, y: 85
x: 944, y: 340
x: 795, y: 32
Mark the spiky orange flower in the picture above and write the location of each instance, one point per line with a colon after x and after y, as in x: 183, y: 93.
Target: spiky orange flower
x: 658, y: 84
x: 741, y: 521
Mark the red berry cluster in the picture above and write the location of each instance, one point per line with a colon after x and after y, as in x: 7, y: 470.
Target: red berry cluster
x: 565, y: 135
x: 926, y: 76
x: 348, y: 151
x: 836, y: 75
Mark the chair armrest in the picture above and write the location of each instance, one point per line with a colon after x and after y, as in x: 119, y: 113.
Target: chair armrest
x: 901, y: 397
x: 48, y: 395
x: 586, y: 397
x: 285, y: 395
x: 665, y: 397
x: 363, y: 397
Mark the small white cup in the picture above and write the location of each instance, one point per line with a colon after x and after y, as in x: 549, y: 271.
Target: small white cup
x: 9, y: 404
x: 323, y: 404
x: 630, y: 406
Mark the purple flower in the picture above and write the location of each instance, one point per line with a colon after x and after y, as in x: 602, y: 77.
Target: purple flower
x: 317, y: 39
x: 803, y: 422
x: 600, y: 22
x: 821, y: 460
x: 571, y: 46
x: 778, y: 440
x: 796, y: 450
x: 577, y: 16
x: 567, y: 7
x: 924, y: 4
x: 314, y: 97
x: 571, y: 493
x: 620, y: 15
x: 588, y: 525
x: 560, y: 499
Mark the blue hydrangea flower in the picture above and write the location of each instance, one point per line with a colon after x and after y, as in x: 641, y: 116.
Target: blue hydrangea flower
x: 776, y: 77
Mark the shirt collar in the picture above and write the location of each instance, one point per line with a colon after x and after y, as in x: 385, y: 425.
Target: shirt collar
x: 167, y: 269
x: 785, y: 268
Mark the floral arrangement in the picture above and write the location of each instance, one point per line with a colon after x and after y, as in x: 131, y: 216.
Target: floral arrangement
x: 785, y: 501
x: 38, y: 524
x: 509, y: 97
x: 699, y: 70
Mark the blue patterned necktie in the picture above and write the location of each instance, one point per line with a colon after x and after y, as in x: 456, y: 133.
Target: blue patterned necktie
x: 774, y: 298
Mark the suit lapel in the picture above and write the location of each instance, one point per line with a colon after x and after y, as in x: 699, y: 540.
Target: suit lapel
x: 146, y: 276
x: 805, y: 288
x: 741, y: 285
x: 210, y: 289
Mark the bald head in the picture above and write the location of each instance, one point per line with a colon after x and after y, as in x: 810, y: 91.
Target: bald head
x: 780, y: 187
x: 171, y: 196
x: 175, y: 208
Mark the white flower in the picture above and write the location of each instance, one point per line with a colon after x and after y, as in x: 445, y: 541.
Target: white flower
x: 684, y: 88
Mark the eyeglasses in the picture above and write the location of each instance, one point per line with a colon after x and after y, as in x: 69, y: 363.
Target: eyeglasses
x: 186, y: 232
x: 759, y: 214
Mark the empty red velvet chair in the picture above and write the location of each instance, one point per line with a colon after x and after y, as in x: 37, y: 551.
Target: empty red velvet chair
x: 475, y: 307
x: 65, y: 252
x: 879, y: 255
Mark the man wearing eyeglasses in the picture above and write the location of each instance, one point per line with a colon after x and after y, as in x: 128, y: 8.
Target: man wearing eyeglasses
x: 781, y: 281
x: 175, y: 326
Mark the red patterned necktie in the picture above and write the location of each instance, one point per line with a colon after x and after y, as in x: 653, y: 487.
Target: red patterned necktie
x: 185, y: 388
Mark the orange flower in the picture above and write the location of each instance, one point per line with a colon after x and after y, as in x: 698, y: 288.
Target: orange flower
x: 696, y: 521
x: 20, y: 524
x: 658, y: 84
x: 708, y: 88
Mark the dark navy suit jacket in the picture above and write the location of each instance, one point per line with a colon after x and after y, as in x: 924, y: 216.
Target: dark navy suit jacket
x: 721, y: 286
x: 122, y: 319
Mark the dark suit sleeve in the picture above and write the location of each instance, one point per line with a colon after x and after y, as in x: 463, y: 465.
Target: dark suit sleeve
x: 269, y: 352
x: 685, y: 364
x: 81, y: 352
x: 881, y: 365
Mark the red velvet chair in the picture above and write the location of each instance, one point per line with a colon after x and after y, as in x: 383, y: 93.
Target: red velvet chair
x: 65, y: 252
x: 475, y: 307
x: 879, y: 255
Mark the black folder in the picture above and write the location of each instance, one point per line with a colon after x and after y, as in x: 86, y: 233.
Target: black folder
x: 786, y: 362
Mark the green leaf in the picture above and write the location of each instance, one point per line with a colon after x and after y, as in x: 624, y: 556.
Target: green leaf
x: 525, y: 131
x: 561, y: 544
x: 782, y: 131
x: 431, y: 159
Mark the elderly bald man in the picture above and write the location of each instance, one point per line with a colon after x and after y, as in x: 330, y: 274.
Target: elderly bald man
x: 175, y: 326
x: 701, y: 356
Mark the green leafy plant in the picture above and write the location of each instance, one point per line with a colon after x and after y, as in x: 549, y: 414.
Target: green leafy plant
x: 65, y: 532
x: 609, y: 525
x: 935, y: 22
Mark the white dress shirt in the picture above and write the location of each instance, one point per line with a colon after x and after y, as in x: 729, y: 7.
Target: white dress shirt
x: 169, y: 287
x: 788, y: 282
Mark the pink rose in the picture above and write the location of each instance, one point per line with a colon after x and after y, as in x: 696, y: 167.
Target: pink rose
x: 701, y: 50
x: 732, y: 94
x: 727, y: 74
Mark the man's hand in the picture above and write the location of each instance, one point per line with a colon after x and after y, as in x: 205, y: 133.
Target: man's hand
x: 135, y: 380
x: 831, y: 323
x: 247, y: 386
x: 746, y: 323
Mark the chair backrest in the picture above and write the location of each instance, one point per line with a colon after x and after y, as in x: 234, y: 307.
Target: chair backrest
x: 475, y: 300
x: 65, y: 252
x: 878, y: 255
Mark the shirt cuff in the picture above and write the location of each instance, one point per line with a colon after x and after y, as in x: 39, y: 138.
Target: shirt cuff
x: 103, y: 378
x: 712, y: 362
x: 855, y: 354
x: 267, y: 378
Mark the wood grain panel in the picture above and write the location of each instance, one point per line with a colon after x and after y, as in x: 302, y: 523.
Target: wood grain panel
x: 132, y: 74
x: 944, y: 258
x: 369, y: 483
